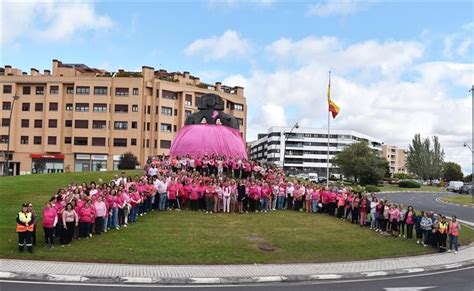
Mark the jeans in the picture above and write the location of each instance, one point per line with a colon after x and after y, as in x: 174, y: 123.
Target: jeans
x: 314, y: 206
x: 133, y: 214
x: 274, y: 202
x: 427, y: 236
x: 372, y: 220
x: 113, y: 219
x: 263, y: 203
x: 163, y: 200
x: 280, y: 202
x: 453, y: 240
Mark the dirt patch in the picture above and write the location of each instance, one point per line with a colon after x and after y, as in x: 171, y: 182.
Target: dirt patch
x: 253, y: 238
x: 266, y: 247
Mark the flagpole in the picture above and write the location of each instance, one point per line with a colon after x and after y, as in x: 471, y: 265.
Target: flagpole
x: 329, y: 122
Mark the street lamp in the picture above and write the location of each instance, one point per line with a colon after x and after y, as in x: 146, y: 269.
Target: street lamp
x: 6, y: 169
x: 287, y: 134
x: 466, y: 145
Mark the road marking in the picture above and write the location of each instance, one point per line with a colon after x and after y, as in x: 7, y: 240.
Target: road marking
x: 137, y: 279
x: 6, y: 275
x: 409, y: 288
x: 69, y: 278
x: 326, y: 277
x: 415, y: 270
x: 374, y: 274
x: 269, y: 279
x: 205, y: 280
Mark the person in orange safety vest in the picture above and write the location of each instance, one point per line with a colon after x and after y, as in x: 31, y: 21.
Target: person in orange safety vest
x: 24, y: 227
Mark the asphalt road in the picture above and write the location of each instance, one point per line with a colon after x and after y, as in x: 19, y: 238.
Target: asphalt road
x: 458, y: 280
x: 427, y: 201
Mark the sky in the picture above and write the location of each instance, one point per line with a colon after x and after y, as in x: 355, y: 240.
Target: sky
x: 398, y: 67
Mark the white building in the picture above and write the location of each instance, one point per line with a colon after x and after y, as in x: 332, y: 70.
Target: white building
x: 306, y: 149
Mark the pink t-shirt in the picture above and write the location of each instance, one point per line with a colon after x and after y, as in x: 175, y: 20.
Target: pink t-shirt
x: 49, y: 216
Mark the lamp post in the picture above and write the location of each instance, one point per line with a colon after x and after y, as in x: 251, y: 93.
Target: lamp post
x: 6, y: 169
x: 287, y: 134
x: 466, y: 145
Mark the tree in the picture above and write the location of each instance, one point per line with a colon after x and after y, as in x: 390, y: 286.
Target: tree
x: 128, y: 161
x: 361, y: 163
x: 425, y: 160
x: 452, y: 172
x: 468, y: 178
x: 402, y: 176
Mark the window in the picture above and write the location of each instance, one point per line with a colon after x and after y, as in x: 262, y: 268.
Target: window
x: 240, y: 121
x: 134, y: 108
x: 121, y: 125
x: 5, y: 122
x: 188, y: 100
x: 53, y: 106
x: 39, y: 90
x: 67, y: 140
x: 120, y: 142
x: 24, y: 139
x: 165, y: 144
x: 68, y: 123
x: 148, y: 109
x: 25, y: 123
x: 69, y: 107
x: 100, y: 90
x: 165, y: 127
x: 6, y: 105
x: 121, y: 108
x: 237, y: 107
x: 156, y: 143
x: 121, y: 91
x: 54, y: 90
x: 4, y: 138
x: 25, y: 106
x: 26, y: 90
x: 38, y: 123
x: 52, y: 123
x: 187, y: 113
x: 175, y: 128
x: 169, y: 95
x: 135, y: 91
x: 51, y: 140
x: 176, y: 112
x: 81, y: 123
x: 38, y: 107
x: 7, y: 89
x: 156, y: 126
x: 197, y: 100
x: 147, y: 143
x: 148, y: 126
x: 37, y: 140
x: 82, y: 90
x: 69, y: 90
x: 82, y: 107
x: 80, y: 141
x: 134, y: 124
x: 99, y: 107
x: 99, y: 124
x: 166, y: 110
x: 98, y: 141
x: 133, y: 142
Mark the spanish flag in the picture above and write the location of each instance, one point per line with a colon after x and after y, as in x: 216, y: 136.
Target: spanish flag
x: 333, y: 108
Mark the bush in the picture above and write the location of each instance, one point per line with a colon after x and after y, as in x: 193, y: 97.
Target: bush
x: 128, y: 161
x: 409, y: 184
x: 372, y: 188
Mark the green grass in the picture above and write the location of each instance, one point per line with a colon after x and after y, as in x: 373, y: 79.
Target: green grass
x: 423, y: 188
x: 458, y: 199
x: 197, y: 238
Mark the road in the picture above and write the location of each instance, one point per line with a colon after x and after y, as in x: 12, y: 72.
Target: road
x: 458, y: 280
x: 427, y: 201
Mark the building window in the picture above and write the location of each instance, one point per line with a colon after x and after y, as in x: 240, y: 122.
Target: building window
x: 6, y: 105
x: 37, y: 140
x: 197, y: 100
x: 165, y: 127
x: 24, y: 139
x: 25, y: 107
x: 38, y: 123
x: 148, y: 126
x: 166, y: 110
x: 156, y: 143
x: 135, y: 91
x: 54, y: 90
x: 52, y: 123
x: 4, y: 138
x: 100, y: 90
x: 39, y: 90
x: 134, y: 124
x: 120, y: 142
x: 147, y: 143
x: 7, y: 89
x: 148, y: 109
x: 69, y: 107
x: 99, y: 124
x: 80, y: 141
x: 26, y: 90
x: 38, y: 107
x: 156, y: 126
x: 121, y: 125
x: 134, y: 108
x: 133, y: 142
x: 175, y: 128
x: 176, y: 112
x: 81, y: 123
x: 5, y: 122
x: 53, y: 106
x: 99, y: 107
x: 98, y: 141
x: 82, y: 107
x: 69, y: 90
x: 68, y: 123
x: 82, y: 90
x: 187, y: 113
x: 165, y: 144
x: 67, y: 140
x: 169, y: 95
x: 121, y: 108
x: 51, y: 140
x: 238, y: 107
x: 188, y: 100
x: 25, y: 123
x: 121, y: 91
x: 240, y: 121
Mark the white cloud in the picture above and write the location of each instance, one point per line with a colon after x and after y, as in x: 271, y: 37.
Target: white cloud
x: 459, y: 44
x: 229, y: 44
x: 49, y: 20
x: 235, y: 3
x: 336, y: 8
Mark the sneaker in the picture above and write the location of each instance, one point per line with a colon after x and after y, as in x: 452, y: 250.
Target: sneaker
x: 63, y: 246
x: 449, y: 251
x: 455, y: 252
x: 90, y: 234
x: 117, y: 228
x: 125, y: 225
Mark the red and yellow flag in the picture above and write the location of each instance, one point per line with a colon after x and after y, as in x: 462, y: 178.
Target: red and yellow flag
x: 333, y: 108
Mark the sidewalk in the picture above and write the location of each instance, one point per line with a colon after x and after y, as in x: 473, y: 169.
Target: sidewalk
x: 228, y: 274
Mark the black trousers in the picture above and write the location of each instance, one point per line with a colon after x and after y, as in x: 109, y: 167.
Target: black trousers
x: 355, y: 215
x: 25, y: 238
x: 68, y: 233
x: 48, y: 235
x: 340, y: 211
x: 99, y: 225
x: 442, y: 237
x: 194, y: 205
x: 409, y: 231
x: 84, y: 229
x: 289, y: 202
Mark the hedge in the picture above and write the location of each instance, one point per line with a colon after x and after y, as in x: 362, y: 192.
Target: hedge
x: 409, y: 184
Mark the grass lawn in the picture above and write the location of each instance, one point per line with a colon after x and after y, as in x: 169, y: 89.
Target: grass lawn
x: 197, y: 238
x: 423, y: 188
x: 458, y: 199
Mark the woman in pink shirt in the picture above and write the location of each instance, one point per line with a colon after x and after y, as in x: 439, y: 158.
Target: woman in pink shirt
x: 341, y: 202
x: 308, y: 197
x: 86, y: 216
x: 172, y: 192
x: 70, y: 222
x: 50, y: 218
x: 394, y: 214
x: 194, y: 196
x: 410, y: 221
x: 100, y: 214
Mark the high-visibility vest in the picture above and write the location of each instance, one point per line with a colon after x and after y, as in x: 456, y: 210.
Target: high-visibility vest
x: 23, y: 219
x: 443, y: 227
x: 454, y: 228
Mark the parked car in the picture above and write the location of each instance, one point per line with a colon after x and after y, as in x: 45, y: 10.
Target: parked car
x: 465, y: 189
x: 303, y: 176
x: 454, y: 186
x: 313, y: 177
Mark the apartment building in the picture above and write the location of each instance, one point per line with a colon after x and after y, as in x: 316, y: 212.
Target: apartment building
x: 396, y: 157
x: 306, y: 149
x: 77, y: 118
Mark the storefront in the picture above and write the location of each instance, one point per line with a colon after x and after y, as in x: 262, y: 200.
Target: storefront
x: 116, y: 159
x: 88, y: 163
x: 53, y: 163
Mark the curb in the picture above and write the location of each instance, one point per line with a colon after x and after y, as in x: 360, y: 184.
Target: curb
x: 411, y: 191
x: 456, y: 204
x: 55, y: 278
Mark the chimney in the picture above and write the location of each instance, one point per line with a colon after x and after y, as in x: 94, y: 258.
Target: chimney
x: 56, y: 65
x: 47, y: 72
x: 34, y: 72
x: 186, y: 74
x: 8, y: 70
x: 218, y: 86
x: 239, y: 90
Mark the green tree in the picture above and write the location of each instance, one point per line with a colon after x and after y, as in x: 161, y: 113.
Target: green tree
x: 452, y: 172
x: 424, y: 159
x: 402, y: 176
x: 468, y: 178
x: 361, y: 163
x: 128, y: 161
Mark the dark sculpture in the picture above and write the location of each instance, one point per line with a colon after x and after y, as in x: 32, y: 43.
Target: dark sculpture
x: 211, y: 108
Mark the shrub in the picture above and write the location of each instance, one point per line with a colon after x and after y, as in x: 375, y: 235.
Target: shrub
x: 128, y: 161
x: 409, y: 184
x: 372, y: 188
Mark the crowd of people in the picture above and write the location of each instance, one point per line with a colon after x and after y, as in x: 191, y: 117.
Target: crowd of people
x: 215, y: 184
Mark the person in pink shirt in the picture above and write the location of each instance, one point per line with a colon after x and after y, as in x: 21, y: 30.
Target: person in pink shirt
x: 172, y: 195
x: 394, y: 214
x: 281, y: 195
x: 194, y: 196
x: 315, y: 197
x: 70, y: 222
x: 308, y: 197
x: 85, y: 220
x: 187, y: 189
x: 50, y: 218
x: 226, y: 191
x: 209, y: 194
x: 341, y: 201
x: 100, y: 214
x: 135, y: 200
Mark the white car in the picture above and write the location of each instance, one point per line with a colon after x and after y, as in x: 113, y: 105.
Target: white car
x: 454, y: 186
x: 313, y: 177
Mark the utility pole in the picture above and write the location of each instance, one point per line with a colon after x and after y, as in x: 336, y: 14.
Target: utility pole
x: 6, y: 165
